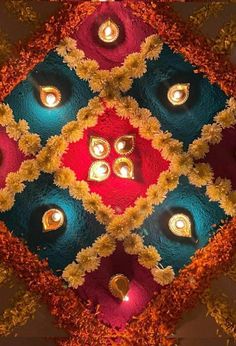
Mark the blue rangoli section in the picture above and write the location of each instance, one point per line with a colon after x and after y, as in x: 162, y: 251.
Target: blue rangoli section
x: 177, y: 251
x: 61, y: 246
x: 26, y: 104
x: 184, y: 122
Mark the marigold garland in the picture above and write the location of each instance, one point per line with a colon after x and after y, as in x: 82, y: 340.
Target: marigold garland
x: 27, y: 56
x: 219, y: 190
x: 119, y: 227
x: 180, y: 37
x: 23, y: 307
x: 154, y: 324
x: 109, y: 83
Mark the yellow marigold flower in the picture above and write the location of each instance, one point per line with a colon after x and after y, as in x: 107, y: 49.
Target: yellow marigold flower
x: 64, y: 177
x: 133, y: 244
x: 168, y: 181
x: 127, y: 105
x: 220, y: 188
x: 105, y: 245
x: 198, y: 149
x: 99, y: 80
x: 30, y: 143
x: 135, y: 65
x: 162, y: 139
x: 29, y: 170
x: 140, y: 117
x: 182, y: 163
x: 67, y: 44
x: 96, y: 106
x: 15, y: 130
x: 6, y: 115
x: 163, y: 276
x: 88, y: 260
x: 174, y: 147
x: 119, y: 228
x: 144, y: 206
x: 212, y: 133
x: 6, y: 200
x: 155, y: 194
x: 152, y: 47
x: 92, y: 202
x: 201, y: 174
x: 87, y: 68
x: 57, y: 144
x: 79, y: 189
x: 72, y: 131
x: 48, y: 161
x: 74, y: 275
x: 14, y: 183
x: 73, y: 58
x: 148, y: 257
x: 121, y: 79
x: 134, y: 217
x: 149, y: 128
x: 228, y: 203
x: 87, y: 118
x: 104, y: 214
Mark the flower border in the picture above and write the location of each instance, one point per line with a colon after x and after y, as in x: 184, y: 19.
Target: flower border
x: 157, y: 321
x: 217, y: 189
x: 27, y: 56
x: 118, y: 227
x: 180, y: 37
x: 109, y: 83
x: 29, y: 144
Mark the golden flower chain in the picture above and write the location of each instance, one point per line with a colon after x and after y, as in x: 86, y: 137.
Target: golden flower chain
x: 118, y: 227
x: 107, y: 83
x: 218, y: 190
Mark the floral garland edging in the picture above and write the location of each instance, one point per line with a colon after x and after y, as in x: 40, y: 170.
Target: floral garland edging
x: 29, y: 144
x: 109, y: 84
x: 63, y: 303
x: 58, y: 27
x: 202, y: 174
x: 118, y: 227
x: 164, y: 311
x: 180, y: 37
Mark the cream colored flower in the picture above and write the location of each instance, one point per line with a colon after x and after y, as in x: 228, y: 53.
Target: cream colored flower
x: 73, y: 275
x: 163, y: 276
x: 201, y: 174
x: 220, y: 188
x: 88, y: 260
x: 64, y: 177
x: 133, y: 244
x: 148, y: 257
x: 105, y: 245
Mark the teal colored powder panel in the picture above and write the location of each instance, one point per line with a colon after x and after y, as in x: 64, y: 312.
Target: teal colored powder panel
x: 60, y: 246
x: 177, y: 251
x: 26, y: 104
x: 184, y: 122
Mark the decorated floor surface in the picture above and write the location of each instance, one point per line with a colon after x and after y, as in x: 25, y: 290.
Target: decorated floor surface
x: 117, y: 171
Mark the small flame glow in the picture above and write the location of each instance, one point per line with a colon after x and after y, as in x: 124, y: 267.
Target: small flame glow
x: 126, y: 299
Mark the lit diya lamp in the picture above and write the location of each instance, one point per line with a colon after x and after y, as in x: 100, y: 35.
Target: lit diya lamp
x: 124, y: 145
x: 178, y: 94
x: 108, y: 31
x: 99, y: 171
x: 50, y: 96
x: 124, y: 168
x: 119, y: 286
x: 52, y: 220
x: 99, y: 148
x: 180, y: 225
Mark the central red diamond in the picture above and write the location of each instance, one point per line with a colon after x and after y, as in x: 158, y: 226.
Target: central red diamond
x: 117, y: 192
